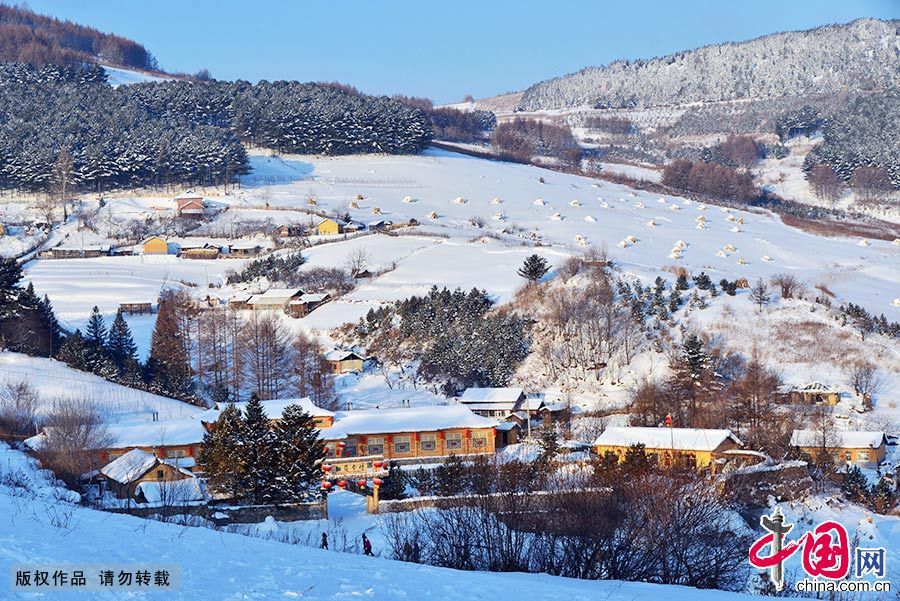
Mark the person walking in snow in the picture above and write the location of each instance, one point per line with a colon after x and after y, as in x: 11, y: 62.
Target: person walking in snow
x: 367, y: 546
x: 324, y: 541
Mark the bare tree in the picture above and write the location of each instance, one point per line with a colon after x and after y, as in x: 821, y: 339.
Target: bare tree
x: 358, y: 261
x: 266, y: 353
x: 74, y: 433
x: 18, y: 408
x: 867, y: 381
x: 788, y: 284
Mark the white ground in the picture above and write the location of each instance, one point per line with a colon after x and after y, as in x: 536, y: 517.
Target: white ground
x: 38, y: 528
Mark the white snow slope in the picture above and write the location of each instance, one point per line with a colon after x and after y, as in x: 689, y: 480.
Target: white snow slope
x: 223, y: 566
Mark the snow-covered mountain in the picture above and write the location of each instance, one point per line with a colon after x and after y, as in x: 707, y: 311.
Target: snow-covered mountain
x: 861, y: 55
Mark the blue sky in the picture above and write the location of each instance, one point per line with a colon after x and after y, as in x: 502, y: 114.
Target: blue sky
x: 443, y: 50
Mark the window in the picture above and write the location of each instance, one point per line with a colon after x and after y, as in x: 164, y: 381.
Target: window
x: 428, y: 442
x: 863, y: 455
x: 159, y: 475
x: 375, y: 446
x: 401, y: 444
x: 453, y: 441
x: 479, y: 441
x: 848, y: 456
x: 175, y: 454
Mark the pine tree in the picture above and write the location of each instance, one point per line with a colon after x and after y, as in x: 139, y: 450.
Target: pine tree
x: 120, y: 344
x: 855, y: 484
x: 221, y: 453
x: 168, y: 367
x: 259, y: 454
x: 759, y: 294
x: 98, y: 360
x: 549, y: 444
x: 299, y: 453
x: 394, y: 486
x: 74, y: 351
x: 682, y: 282
x: 534, y: 268
x: 55, y: 331
x: 703, y: 281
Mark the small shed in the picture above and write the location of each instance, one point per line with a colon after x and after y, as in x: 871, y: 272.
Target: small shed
x: 244, y: 249
x: 127, y: 475
x: 814, y: 393
x: 300, y: 307
x: 136, y: 307
x: 342, y: 362
x: 238, y: 302
x: 189, y: 205
x: 155, y: 245
x: 274, y: 299
x: 290, y: 230
x: 330, y: 227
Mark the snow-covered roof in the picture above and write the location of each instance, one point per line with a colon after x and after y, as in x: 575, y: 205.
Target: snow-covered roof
x: 491, y: 395
x: 309, y: 298
x: 843, y: 439
x: 130, y: 466
x: 185, y: 490
x: 276, y: 295
x: 404, y: 419
x: 338, y: 355
x: 245, y: 245
x: 340, y: 222
x: 274, y: 409
x: 190, y: 194
x: 815, y: 387
x: 683, y: 439
x: 174, y: 432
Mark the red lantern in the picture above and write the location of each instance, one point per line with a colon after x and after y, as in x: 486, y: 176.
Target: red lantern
x: 362, y: 440
x: 377, y: 464
x: 342, y: 483
x: 361, y: 483
x: 377, y: 481
x: 326, y: 468
x: 327, y: 485
x: 342, y: 444
x: 668, y: 421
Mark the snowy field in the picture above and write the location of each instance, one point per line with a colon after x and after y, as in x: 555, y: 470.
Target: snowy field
x: 40, y: 529
x: 569, y: 211
x: 446, y: 193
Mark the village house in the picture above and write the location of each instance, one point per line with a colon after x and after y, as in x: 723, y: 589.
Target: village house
x: 154, y: 245
x: 380, y: 225
x: 682, y: 447
x: 145, y: 478
x: 330, y: 227
x: 507, y: 432
x: 342, y: 362
x: 77, y: 252
x: 274, y: 299
x: 409, y: 432
x: 176, y: 441
x: 240, y: 250
x: 300, y: 307
x: 499, y: 402
x: 136, y: 307
x: 189, y: 205
x: 863, y: 449
x: 814, y: 393
x: 290, y: 231
x: 274, y: 408
x: 353, y: 226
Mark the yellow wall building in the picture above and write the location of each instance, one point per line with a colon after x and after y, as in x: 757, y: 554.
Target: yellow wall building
x: 682, y: 447
x: 329, y: 227
x: 155, y: 246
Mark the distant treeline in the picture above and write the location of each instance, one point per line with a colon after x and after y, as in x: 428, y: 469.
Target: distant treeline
x: 453, y: 125
x: 28, y: 37
x: 63, y: 129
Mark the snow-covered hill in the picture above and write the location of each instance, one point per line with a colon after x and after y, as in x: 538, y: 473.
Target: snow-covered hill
x: 54, y: 380
x: 828, y: 59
